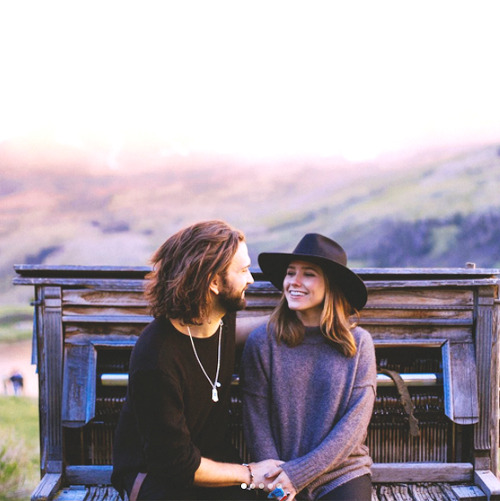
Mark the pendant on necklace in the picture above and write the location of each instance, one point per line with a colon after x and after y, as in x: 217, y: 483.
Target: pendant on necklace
x: 215, y: 395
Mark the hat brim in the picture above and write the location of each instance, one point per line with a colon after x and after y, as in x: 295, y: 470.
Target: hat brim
x: 274, y: 266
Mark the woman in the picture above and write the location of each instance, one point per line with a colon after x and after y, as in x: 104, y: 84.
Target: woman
x: 309, y: 376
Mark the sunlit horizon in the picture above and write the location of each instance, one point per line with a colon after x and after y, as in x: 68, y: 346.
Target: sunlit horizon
x: 262, y: 79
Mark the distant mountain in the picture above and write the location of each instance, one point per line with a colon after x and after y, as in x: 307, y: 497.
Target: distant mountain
x: 434, y: 209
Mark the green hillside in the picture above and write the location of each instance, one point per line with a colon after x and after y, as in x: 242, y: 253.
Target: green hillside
x: 438, y: 214
x: 430, y: 210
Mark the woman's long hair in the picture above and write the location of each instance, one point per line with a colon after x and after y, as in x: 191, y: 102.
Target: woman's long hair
x: 185, y: 265
x: 335, y: 322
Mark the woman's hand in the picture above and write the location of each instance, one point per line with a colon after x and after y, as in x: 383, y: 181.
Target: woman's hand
x: 261, y: 471
x: 278, y: 478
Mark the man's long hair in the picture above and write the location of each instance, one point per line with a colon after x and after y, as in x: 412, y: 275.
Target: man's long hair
x: 185, y: 265
x: 335, y: 323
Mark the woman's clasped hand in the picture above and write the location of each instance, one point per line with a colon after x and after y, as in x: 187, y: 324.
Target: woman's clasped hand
x: 268, y: 476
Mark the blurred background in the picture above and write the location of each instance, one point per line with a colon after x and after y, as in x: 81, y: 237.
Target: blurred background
x: 375, y: 123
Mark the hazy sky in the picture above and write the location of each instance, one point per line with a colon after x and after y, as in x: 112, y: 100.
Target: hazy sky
x: 258, y: 78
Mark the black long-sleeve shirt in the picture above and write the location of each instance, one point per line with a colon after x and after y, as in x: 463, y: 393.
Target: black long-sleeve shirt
x: 169, y: 420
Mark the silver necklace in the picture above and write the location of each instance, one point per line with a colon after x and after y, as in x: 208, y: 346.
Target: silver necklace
x: 215, y: 384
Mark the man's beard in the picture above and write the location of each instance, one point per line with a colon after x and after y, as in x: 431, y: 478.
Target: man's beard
x: 230, y: 299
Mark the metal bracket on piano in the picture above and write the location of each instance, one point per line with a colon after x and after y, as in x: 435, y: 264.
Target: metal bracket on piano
x: 410, y: 379
x: 413, y: 379
x: 114, y: 379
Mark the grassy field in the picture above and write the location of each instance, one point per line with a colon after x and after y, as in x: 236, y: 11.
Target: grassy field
x: 19, y: 428
x: 19, y: 447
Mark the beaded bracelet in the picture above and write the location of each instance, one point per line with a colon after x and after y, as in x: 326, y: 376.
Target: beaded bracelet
x: 250, y: 486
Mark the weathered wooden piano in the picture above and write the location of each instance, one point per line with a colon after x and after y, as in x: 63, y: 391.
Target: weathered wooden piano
x: 436, y: 328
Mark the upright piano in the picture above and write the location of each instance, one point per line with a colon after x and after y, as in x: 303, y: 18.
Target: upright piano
x: 434, y: 433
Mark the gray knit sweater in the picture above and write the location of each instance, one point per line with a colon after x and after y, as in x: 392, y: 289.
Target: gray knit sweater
x: 309, y: 406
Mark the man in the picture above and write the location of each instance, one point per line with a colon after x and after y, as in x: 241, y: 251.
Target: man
x: 172, y: 437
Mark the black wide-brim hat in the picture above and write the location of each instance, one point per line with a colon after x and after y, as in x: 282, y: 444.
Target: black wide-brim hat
x: 326, y: 253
